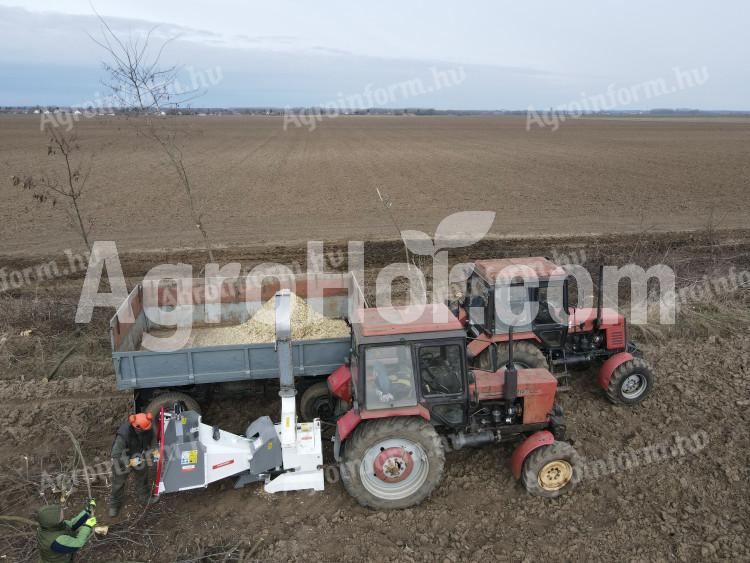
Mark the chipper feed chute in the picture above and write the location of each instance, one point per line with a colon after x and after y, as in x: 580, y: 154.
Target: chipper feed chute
x: 287, y: 456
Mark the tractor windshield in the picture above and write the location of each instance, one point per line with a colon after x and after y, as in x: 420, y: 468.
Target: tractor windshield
x: 389, y: 377
x: 550, y: 300
x: 440, y: 369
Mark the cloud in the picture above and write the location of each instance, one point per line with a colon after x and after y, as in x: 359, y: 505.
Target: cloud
x: 33, y: 35
x: 49, y: 58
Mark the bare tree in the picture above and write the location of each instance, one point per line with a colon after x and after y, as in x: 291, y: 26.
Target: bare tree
x: 417, y: 261
x: 140, y: 82
x: 69, y: 186
x: 387, y: 204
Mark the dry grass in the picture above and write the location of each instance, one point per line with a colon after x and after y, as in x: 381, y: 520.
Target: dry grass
x: 38, y: 328
x: 720, y: 316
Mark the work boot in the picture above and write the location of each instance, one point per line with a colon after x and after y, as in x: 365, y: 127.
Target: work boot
x: 114, y: 511
x: 149, y: 500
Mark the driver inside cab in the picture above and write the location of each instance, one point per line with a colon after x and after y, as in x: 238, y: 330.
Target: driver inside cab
x: 391, y: 387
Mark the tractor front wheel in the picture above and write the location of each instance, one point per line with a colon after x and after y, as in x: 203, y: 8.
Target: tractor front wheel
x: 552, y: 470
x: 392, y: 463
x: 630, y: 383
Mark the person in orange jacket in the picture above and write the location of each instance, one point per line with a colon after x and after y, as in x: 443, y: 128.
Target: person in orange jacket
x: 134, y: 442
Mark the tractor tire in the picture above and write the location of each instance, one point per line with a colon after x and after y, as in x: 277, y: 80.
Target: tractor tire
x: 392, y: 463
x: 630, y: 383
x: 552, y: 470
x: 525, y: 355
x: 316, y: 403
x: 167, y: 400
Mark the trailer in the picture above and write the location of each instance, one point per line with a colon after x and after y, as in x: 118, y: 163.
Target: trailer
x: 192, y: 374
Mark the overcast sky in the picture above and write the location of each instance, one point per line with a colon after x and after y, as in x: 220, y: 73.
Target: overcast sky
x: 505, y: 55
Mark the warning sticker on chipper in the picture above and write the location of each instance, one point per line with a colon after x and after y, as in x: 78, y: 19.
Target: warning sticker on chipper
x: 188, y: 459
x: 223, y: 464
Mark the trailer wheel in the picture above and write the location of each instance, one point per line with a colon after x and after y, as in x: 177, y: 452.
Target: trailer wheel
x: 392, y: 463
x: 552, y: 470
x: 525, y: 355
x: 316, y: 403
x: 630, y: 383
x: 167, y: 400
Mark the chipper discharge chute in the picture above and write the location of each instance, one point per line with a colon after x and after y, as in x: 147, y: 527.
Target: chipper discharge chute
x: 287, y: 456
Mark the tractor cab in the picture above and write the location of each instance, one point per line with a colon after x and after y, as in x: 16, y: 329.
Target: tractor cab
x: 515, y: 284
x: 502, y: 292
x: 410, y: 359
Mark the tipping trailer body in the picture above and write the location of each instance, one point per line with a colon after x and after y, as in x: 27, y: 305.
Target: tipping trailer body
x: 333, y: 295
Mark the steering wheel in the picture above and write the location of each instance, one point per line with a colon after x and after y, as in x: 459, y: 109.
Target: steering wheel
x: 433, y: 380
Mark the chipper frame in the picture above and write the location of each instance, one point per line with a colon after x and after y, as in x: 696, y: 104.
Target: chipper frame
x: 287, y: 456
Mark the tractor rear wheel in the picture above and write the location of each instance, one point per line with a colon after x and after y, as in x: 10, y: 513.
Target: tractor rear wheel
x: 168, y: 400
x: 630, y: 383
x: 525, y: 355
x: 392, y: 463
x: 552, y: 470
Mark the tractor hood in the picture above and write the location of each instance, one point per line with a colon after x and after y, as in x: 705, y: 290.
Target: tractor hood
x: 587, y: 315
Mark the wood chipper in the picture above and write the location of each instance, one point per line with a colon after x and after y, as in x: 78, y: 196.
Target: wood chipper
x: 286, y: 456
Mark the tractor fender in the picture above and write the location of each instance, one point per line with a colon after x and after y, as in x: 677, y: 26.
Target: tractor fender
x: 481, y: 343
x: 340, y: 383
x: 609, y: 367
x: 536, y: 440
x: 347, y: 423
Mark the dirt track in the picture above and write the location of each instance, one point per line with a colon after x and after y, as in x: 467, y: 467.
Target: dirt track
x: 690, y: 502
x: 260, y: 184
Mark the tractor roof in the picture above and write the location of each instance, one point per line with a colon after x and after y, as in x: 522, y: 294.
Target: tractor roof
x: 509, y: 268
x: 410, y: 319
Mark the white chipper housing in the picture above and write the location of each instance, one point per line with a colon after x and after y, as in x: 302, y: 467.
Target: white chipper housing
x: 287, y: 456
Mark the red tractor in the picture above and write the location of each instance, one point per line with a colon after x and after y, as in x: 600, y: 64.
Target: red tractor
x: 411, y: 394
x: 558, y: 337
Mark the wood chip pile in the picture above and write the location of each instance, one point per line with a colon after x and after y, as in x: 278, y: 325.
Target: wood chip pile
x: 307, y: 324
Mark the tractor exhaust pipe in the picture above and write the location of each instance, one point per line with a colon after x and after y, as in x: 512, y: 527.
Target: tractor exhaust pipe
x: 599, y: 298
x: 511, y: 374
x: 461, y: 440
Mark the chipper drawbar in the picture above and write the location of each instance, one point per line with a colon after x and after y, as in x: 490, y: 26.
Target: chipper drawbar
x: 287, y: 456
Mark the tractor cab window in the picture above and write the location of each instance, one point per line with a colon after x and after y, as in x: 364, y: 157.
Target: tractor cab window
x: 440, y: 369
x: 512, y: 307
x: 478, y: 298
x: 550, y: 300
x: 389, y: 377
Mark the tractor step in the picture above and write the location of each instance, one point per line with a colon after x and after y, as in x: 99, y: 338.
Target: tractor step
x: 563, y: 381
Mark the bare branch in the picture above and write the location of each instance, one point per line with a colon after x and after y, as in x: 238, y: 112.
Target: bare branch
x: 141, y: 84
x: 44, y: 187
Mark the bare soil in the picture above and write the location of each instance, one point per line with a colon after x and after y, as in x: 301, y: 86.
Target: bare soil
x: 257, y: 183
x: 692, y: 503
